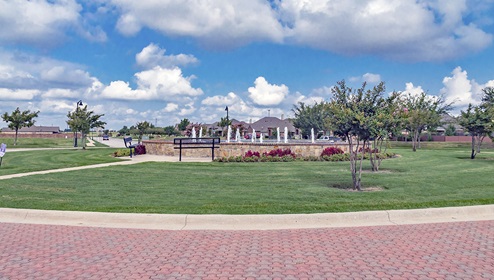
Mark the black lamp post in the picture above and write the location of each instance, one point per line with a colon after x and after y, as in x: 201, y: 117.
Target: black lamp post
x: 227, y: 120
x: 79, y: 103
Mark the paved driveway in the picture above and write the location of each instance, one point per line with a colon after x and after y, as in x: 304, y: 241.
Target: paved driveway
x: 112, y: 142
x: 458, y: 250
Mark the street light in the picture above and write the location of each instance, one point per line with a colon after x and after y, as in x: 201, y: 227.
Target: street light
x: 227, y: 120
x: 79, y: 103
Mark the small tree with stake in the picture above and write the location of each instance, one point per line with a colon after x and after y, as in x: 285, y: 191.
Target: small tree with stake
x: 18, y: 120
x: 83, y: 120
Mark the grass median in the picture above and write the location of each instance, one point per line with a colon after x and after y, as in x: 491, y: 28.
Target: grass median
x: 427, y: 178
x: 39, y: 160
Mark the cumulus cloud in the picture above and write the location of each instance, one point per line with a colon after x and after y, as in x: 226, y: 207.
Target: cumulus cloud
x: 397, y: 29
x: 368, y: 78
x: 154, y: 84
x: 461, y: 90
x: 219, y: 100
x: 170, y: 107
x: 152, y: 55
x: 266, y: 94
x: 64, y: 75
x: 44, y: 22
x: 26, y: 71
x: 18, y: 94
x: 413, y: 90
x: 218, y: 24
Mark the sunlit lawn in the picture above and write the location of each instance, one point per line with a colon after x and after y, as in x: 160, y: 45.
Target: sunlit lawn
x: 427, y: 178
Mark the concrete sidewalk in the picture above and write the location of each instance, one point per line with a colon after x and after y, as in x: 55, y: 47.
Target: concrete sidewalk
x: 248, y: 222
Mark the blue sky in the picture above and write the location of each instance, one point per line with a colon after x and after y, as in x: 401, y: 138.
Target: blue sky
x: 162, y: 61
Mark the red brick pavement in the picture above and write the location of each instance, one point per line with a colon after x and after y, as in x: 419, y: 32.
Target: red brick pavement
x: 462, y: 250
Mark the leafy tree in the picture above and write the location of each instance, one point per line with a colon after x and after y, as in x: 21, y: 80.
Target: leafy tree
x: 385, y: 123
x: 142, y: 127
x: 450, y: 130
x: 479, y: 120
x: 124, y: 130
x: 84, y: 120
x: 308, y: 117
x: 224, y: 122
x: 170, y: 130
x: 421, y: 112
x: 183, y: 124
x: 18, y: 120
x: 354, y: 115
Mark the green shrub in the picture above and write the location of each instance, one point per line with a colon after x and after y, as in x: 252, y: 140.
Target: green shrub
x: 121, y: 153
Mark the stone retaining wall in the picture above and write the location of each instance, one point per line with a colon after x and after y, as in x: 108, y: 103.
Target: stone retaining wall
x: 156, y: 147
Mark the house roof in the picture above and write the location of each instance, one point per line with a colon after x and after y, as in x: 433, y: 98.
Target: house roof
x: 34, y: 128
x: 266, y: 123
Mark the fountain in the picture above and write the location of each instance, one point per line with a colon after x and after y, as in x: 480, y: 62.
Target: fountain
x: 253, y: 135
x: 193, y: 135
x: 312, y: 134
x: 200, y: 132
x: 286, y: 135
x: 260, y: 138
x: 278, y: 134
x: 229, y: 132
x: 237, y: 135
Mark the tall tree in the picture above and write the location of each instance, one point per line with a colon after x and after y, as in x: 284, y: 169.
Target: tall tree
x: 19, y: 120
x: 385, y: 123
x: 479, y: 120
x: 84, y: 120
x: 183, y: 124
x: 170, y: 130
x: 308, y: 117
x: 421, y: 112
x: 353, y: 115
x: 142, y: 127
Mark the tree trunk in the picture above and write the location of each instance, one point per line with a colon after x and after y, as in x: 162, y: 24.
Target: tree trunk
x: 15, y: 139
x: 414, y: 140
x: 472, y: 156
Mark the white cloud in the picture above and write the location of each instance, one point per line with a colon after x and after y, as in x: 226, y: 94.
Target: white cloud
x: 413, y: 90
x: 64, y: 75
x: 308, y: 100
x: 44, y: 22
x: 367, y: 77
x: 187, y: 110
x: 459, y: 89
x: 152, y: 55
x: 218, y: 24
x: 371, y: 78
x: 53, y: 106
x: 170, y: 107
x: 266, y: 94
x: 18, y: 94
x: 398, y: 29
x: 219, y: 100
x: 155, y: 84
x: 60, y: 93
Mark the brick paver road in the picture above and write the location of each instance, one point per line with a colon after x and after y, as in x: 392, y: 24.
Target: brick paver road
x: 462, y: 250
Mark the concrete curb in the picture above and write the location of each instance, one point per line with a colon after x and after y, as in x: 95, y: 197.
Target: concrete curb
x: 247, y: 222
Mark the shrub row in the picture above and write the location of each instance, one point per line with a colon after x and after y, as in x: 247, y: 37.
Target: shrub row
x: 328, y: 154
x: 139, y: 150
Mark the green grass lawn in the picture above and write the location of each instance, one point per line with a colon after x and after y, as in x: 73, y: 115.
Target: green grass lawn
x: 427, y: 178
x: 38, y: 160
x: 38, y: 142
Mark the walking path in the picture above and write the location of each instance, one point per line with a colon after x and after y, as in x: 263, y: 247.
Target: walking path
x: 442, y: 243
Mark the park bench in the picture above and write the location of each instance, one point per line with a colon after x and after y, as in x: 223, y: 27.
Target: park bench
x: 128, y: 144
x: 3, y: 150
x: 196, y: 143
